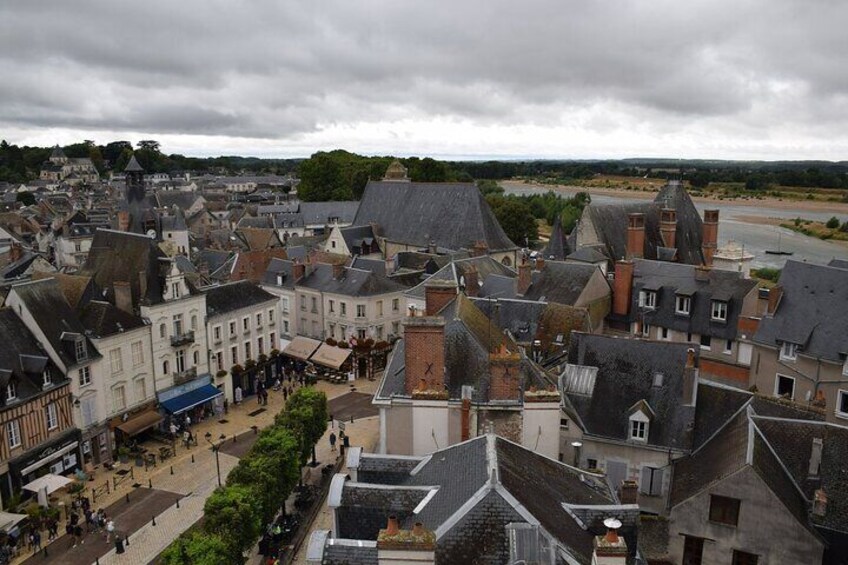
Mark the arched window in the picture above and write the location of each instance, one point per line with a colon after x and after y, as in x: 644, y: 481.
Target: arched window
x: 506, y: 262
x: 194, y: 322
x: 165, y: 367
x: 162, y: 331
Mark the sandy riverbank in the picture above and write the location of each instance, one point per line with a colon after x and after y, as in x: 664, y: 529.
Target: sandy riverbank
x: 765, y: 202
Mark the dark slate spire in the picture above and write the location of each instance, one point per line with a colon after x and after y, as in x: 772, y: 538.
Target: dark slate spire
x: 557, y: 248
x: 133, y: 166
x: 136, y: 201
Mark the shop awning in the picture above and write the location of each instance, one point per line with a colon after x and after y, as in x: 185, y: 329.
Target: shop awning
x: 50, y: 482
x: 43, y: 461
x: 301, y: 347
x: 191, y: 399
x: 141, y: 422
x: 330, y: 356
x: 9, y: 520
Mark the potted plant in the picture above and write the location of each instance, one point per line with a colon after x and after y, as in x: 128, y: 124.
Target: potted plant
x: 124, y: 454
x: 221, y: 374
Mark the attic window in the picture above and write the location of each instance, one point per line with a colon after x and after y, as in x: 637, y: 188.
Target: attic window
x: 46, y: 378
x: 80, y: 350
x: 683, y: 305
x: 788, y: 351
x: 719, y: 311
x: 11, y: 391
x: 658, y: 379
x: 648, y: 299
x: 638, y: 430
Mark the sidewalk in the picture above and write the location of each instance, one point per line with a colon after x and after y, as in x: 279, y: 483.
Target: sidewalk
x: 194, y: 480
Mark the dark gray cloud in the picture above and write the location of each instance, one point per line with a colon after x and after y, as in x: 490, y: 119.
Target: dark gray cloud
x: 708, y: 77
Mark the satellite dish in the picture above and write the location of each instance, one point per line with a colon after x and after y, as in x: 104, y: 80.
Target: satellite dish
x: 151, y: 234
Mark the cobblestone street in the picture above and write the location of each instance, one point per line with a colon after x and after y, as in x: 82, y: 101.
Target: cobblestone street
x: 192, y: 474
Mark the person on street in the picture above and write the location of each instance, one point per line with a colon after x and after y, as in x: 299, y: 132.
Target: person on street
x: 110, y: 530
x: 333, y: 441
x: 187, y: 421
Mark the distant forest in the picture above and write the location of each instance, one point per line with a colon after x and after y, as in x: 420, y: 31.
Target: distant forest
x: 342, y: 175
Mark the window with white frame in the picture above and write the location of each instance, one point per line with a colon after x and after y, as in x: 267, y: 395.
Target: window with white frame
x: 788, y: 351
x: 234, y: 354
x: 784, y: 386
x: 638, y: 430
x: 683, y: 305
x: 647, y: 299
x: 395, y: 304
x: 663, y: 333
x: 332, y: 306
x: 11, y: 391
x: 80, y: 350
x: 181, y: 363
x: 842, y: 403
x: 706, y: 342
x: 119, y: 399
x: 646, y: 330
x: 247, y: 350
x: 718, y: 311
x: 216, y: 333
x: 193, y: 321
x: 272, y: 340
x: 245, y: 323
x: 219, y: 360
x: 360, y: 310
x: 271, y: 316
x: 259, y: 319
x: 178, y: 324
x: 51, y: 416
x: 46, y: 377
x: 343, y: 308
x: 84, y: 374
x: 140, y: 390
x: 137, y: 353
x: 175, y: 290
x: 115, y: 361
x: 232, y: 328
x: 284, y: 303
x: 13, y: 433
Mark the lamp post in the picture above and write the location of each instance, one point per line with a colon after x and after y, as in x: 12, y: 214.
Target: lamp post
x: 215, y: 448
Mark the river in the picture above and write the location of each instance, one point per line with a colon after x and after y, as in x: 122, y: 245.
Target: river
x: 756, y: 238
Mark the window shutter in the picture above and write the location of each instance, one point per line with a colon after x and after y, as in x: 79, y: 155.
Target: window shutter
x: 657, y: 482
x: 645, y: 481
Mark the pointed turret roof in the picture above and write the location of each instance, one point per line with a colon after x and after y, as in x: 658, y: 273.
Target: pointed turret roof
x: 557, y: 248
x: 133, y: 166
x: 57, y: 153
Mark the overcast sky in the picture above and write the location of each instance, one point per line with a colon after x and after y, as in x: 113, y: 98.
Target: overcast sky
x: 736, y: 79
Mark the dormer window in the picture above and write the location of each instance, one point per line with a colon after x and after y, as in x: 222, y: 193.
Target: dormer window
x: 175, y: 290
x: 11, y: 391
x: 789, y: 351
x: 80, y: 350
x: 683, y: 305
x: 718, y: 312
x: 845, y: 367
x: 46, y: 378
x: 638, y: 430
x: 648, y: 299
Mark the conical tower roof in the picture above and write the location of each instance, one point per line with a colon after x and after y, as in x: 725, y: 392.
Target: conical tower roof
x: 133, y: 166
x: 57, y: 153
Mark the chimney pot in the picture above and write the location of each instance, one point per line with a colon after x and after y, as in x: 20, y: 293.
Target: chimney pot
x: 418, y: 529
x: 524, y: 277
x: 635, y: 235
x: 472, y: 282
x: 392, y: 528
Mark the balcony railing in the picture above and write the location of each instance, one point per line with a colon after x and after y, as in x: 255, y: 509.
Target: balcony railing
x: 182, y: 339
x: 181, y: 377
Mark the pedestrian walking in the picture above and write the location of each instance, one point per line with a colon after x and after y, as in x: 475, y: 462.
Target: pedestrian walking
x: 78, y: 535
x: 285, y: 394
x: 187, y: 421
x: 238, y: 395
x: 110, y: 529
x: 187, y: 439
x: 36, y: 541
x: 333, y: 441
x: 173, y: 429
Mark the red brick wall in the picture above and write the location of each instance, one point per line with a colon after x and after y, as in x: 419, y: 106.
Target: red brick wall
x: 437, y: 297
x: 727, y: 373
x: 505, y: 378
x: 424, y: 354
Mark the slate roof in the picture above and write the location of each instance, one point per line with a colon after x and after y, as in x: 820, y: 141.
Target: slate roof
x: 489, y: 472
x: 234, y: 296
x: 175, y: 222
x: 103, y: 319
x: 133, y: 166
x: 53, y: 315
x: 838, y: 263
x: 810, y: 312
x: 377, y: 266
x: 557, y: 248
x: 355, y: 236
x: 610, y: 222
x: 625, y: 376
x: 183, y: 200
x: 128, y: 257
x: 353, y: 282
x: 279, y: 267
x: 560, y: 282
x: 717, y: 404
x: 452, y: 215
x: 320, y: 213
x: 456, y: 270
x: 22, y: 359
x: 669, y: 279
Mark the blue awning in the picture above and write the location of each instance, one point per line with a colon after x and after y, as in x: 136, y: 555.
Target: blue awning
x: 191, y: 399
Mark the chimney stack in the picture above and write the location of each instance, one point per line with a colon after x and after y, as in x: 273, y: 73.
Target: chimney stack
x: 123, y: 221
x: 472, y: 283
x: 690, y: 379
x: 774, y: 296
x: 405, y: 547
x: 524, y: 277
x: 123, y: 296
x: 628, y: 492
x: 702, y: 273
x: 635, y: 236
x: 668, y: 226
x: 622, y: 287
x: 424, y: 354
x: 465, y: 420
x: 819, y: 503
x: 390, y: 265
x: 540, y: 263
x: 392, y: 528
x: 479, y: 249
x: 505, y: 372
x: 298, y: 271
x: 338, y: 270
x: 437, y: 295
x: 710, y: 235
x: 610, y: 549
x: 16, y: 252
x: 815, y: 457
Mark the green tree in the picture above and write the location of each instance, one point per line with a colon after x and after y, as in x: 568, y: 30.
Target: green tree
x: 516, y: 219
x: 321, y: 179
x: 832, y: 223
x: 429, y: 170
x: 25, y: 198
x: 197, y: 548
x: 234, y: 513
x: 488, y: 187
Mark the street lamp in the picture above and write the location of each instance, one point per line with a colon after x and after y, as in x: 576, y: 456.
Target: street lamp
x: 215, y: 448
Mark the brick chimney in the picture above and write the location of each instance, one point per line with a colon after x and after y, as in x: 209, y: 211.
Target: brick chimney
x: 690, y: 379
x: 123, y: 221
x: 525, y: 277
x: 504, y: 368
x: 540, y: 263
x: 437, y: 295
x: 465, y: 420
x: 405, y: 547
x: 668, y: 226
x: 610, y: 549
x: 774, y: 296
x: 710, y: 235
x: 390, y: 265
x: 424, y: 354
x: 472, y: 283
x: 819, y: 503
x: 479, y: 249
x: 702, y: 273
x: 16, y: 252
x: 622, y: 287
x: 298, y: 271
x: 338, y: 271
x: 635, y: 236
x: 123, y: 296
x: 628, y: 492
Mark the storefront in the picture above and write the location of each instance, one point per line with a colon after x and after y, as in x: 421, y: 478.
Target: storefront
x: 135, y: 423
x: 60, y: 456
x: 333, y: 357
x: 197, y: 398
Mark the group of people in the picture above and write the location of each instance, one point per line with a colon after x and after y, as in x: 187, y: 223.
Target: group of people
x: 95, y: 522
x: 185, y: 426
